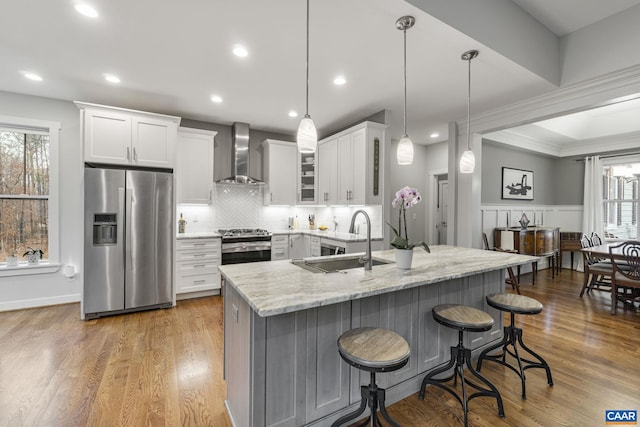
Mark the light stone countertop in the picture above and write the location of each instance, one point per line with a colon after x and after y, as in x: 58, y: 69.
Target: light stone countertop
x: 277, y: 287
x: 198, y: 235
x: 343, y: 237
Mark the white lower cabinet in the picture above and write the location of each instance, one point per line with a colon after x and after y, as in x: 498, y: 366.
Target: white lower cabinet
x: 279, y: 247
x: 197, y: 262
x: 314, y: 246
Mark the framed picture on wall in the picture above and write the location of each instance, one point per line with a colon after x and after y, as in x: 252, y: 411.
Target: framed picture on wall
x: 517, y: 184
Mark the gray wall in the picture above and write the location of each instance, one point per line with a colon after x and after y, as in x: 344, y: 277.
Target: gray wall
x: 555, y: 181
x: 427, y: 158
x: 53, y: 288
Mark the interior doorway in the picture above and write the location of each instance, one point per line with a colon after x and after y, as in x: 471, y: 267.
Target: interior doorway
x: 442, y: 207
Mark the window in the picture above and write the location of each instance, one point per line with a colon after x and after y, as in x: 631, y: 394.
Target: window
x: 620, y: 179
x: 28, y: 207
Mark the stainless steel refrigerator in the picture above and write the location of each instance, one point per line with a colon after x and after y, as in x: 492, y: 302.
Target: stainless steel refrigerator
x: 128, y: 245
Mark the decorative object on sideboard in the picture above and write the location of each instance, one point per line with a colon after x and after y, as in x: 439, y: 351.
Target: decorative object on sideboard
x: 517, y: 184
x: 468, y: 159
x: 307, y: 137
x: 405, y: 198
x: 524, y: 221
x: 404, y: 153
x: 33, y: 255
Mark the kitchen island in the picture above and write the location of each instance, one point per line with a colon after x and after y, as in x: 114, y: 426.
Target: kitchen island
x: 281, y: 324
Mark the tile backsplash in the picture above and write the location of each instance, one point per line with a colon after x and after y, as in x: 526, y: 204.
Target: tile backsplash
x: 236, y: 206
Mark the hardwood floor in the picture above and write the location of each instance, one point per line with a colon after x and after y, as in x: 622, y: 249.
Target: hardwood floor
x: 164, y: 367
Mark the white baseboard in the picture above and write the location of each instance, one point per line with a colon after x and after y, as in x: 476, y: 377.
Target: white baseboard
x: 39, y: 302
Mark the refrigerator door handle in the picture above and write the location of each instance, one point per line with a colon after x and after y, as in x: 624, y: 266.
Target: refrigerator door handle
x: 126, y: 205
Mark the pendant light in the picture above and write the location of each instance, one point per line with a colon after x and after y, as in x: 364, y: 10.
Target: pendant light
x: 405, y: 146
x: 307, y: 137
x: 468, y: 159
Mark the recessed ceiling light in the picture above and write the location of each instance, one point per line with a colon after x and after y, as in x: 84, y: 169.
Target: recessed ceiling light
x: 216, y: 98
x: 86, y: 10
x: 339, y: 80
x: 111, y: 78
x: 434, y: 135
x: 240, y: 51
x: 33, y: 76
x: 293, y: 114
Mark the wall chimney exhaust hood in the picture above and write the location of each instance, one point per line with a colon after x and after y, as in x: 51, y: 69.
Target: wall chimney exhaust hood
x: 240, y: 157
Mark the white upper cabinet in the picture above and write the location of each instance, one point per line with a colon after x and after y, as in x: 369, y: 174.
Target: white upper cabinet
x: 353, y: 170
x: 127, y: 137
x: 194, y: 166
x: 280, y: 172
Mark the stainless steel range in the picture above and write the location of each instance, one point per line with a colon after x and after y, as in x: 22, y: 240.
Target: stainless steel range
x: 240, y: 245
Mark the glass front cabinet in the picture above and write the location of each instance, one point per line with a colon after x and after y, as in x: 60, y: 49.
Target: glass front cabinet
x: 307, y: 179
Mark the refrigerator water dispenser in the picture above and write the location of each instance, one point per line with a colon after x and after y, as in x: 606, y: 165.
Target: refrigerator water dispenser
x: 105, y: 229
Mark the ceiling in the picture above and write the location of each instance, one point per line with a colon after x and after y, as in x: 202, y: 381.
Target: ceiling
x: 171, y: 58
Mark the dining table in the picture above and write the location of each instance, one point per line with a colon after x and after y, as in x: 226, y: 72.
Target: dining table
x: 603, y: 252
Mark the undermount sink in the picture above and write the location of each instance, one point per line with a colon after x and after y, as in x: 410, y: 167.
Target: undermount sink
x: 335, y: 264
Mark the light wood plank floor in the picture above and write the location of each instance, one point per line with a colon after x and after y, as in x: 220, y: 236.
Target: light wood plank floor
x: 164, y: 367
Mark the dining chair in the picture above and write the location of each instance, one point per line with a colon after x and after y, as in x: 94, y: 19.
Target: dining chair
x: 597, y: 274
x: 625, y: 259
x: 511, y: 279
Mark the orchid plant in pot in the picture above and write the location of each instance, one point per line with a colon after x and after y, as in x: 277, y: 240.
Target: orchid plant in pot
x: 405, y: 198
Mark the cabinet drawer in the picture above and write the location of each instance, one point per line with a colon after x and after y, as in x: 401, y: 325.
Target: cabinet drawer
x: 279, y: 252
x: 279, y: 238
x: 198, y: 283
x: 195, y: 256
x: 192, y: 269
x: 197, y: 244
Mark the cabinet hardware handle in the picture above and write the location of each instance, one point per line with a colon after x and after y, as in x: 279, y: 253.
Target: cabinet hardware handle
x: 199, y: 255
x: 199, y: 266
x: 210, y: 195
x: 135, y: 155
x: 199, y: 281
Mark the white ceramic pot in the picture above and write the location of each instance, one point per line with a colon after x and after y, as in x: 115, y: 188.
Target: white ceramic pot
x: 33, y: 258
x: 404, y: 258
x: 12, y: 261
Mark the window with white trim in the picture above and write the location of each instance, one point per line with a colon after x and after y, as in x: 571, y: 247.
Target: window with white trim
x: 27, y: 186
x: 620, y: 196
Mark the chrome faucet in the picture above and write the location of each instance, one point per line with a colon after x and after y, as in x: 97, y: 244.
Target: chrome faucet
x: 366, y: 260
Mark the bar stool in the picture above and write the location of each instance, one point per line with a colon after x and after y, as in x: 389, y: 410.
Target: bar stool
x: 372, y: 350
x: 470, y: 319
x: 519, y: 304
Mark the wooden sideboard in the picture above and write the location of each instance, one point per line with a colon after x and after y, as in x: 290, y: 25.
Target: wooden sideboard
x: 536, y: 241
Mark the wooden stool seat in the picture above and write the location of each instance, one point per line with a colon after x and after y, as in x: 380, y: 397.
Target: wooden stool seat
x: 519, y: 304
x: 462, y: 318
x: 514, y: 304
x: 373, y: 350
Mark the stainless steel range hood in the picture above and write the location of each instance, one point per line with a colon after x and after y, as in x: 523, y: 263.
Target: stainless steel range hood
x: 240, y: 157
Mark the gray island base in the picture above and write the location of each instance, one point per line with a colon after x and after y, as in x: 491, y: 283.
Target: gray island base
x: 281, y: 325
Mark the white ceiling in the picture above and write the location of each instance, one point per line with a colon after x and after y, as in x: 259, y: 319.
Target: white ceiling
x: 172, y: 56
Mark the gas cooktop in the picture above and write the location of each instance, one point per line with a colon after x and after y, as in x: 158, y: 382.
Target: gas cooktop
x: 244, y: 232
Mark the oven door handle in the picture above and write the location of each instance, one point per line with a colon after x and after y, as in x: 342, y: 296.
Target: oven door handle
x: 246, y: 249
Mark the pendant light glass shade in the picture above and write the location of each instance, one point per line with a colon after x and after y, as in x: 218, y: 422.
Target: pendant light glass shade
x: 404, y: 153
x: 468, y: 159
x: 467, y: 162
x: 307, y: 136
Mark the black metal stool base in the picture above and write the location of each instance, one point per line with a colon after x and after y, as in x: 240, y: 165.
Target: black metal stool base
x: 512, y: 337
x: 374, y: 397
x: 461, y: 357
